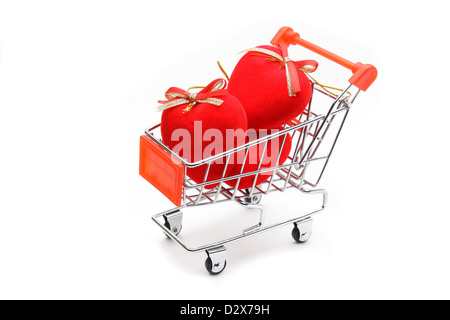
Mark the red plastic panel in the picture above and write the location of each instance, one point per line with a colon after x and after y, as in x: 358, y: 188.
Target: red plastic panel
x: 164, y: 173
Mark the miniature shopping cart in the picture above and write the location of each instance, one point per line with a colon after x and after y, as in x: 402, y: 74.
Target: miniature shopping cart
x: 314, y: 134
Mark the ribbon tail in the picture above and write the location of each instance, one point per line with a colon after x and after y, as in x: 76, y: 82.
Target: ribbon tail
x: 161, y: 108
x: 172, y: 103
x: 291, y: 73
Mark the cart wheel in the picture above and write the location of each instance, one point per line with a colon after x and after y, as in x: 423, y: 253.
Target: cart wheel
x: 216, y: 261
x: 209, y: 266
x: 302, y: 231
x: 173, y: 222
x: 176, y: 231
x: 255, y: 199
x: 296, y: 235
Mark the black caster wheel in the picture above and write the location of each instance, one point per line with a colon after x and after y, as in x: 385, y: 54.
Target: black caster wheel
x: 298, y: 237
x: 296, y: 234
x: 209, y: 266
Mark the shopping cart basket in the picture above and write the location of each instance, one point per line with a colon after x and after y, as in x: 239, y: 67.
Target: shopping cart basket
x: 321, y: 121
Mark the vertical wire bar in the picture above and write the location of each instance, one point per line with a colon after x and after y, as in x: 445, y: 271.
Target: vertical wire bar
x: 298, y: 145
x: 185, y: 185
x: 303, y: 134
x: 298, y: 151
x: 203, y: 187
x: 223, y: 176
x: 310, y: 102
x: 309, y: 132
x: 354, y: 98
x: 305, y: 129
x: 259, y: 168
x: 276, y: 163
x: 308, y: 156
x: 320, y: 139
x: 242, y: 170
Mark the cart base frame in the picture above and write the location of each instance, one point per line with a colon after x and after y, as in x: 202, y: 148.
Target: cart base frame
x: 170, y: 222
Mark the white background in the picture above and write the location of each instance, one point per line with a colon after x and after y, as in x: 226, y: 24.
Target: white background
x: 79, y: 81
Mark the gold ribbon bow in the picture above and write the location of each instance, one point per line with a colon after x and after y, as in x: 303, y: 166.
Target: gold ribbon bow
x: 177, y: 96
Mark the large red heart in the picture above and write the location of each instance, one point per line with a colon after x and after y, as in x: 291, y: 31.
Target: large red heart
x: 254, y: 155
x: 202, y: 132
x: 260, y: 83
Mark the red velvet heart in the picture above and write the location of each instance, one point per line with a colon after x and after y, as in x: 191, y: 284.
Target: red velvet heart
x: 201, y: 132
x: 261, y: 86
x: 255, y: 154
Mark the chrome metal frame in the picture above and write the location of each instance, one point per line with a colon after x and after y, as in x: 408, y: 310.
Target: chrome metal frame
x: 307, y: 137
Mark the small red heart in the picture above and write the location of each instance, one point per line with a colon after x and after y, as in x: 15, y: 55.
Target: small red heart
x: 200, y: 119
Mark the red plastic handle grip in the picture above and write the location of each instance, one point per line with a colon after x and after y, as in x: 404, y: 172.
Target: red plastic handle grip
x: 363, y: 74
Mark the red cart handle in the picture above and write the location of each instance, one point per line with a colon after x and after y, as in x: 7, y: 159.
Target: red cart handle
x: 363, y: 74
